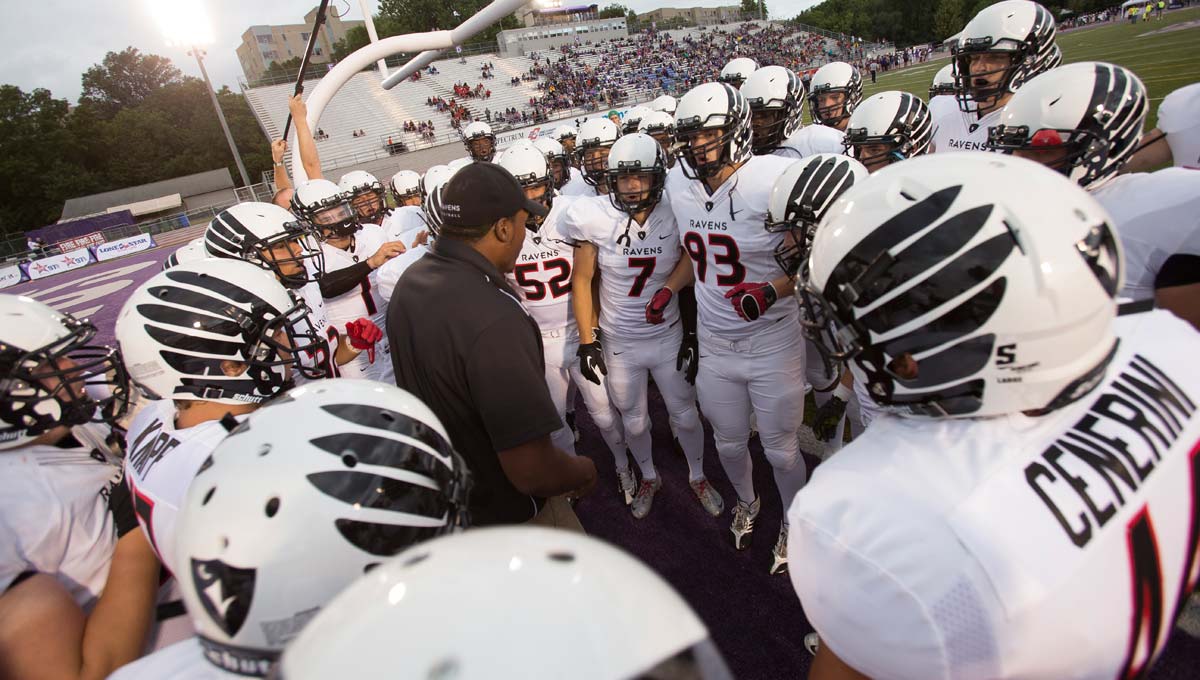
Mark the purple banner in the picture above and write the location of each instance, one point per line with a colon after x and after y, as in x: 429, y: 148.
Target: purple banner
x: 81, y: 227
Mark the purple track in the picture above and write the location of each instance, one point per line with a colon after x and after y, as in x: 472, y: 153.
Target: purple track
x: 755, y: 618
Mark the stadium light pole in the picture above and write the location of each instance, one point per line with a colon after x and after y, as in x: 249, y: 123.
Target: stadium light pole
x: 184, y: 23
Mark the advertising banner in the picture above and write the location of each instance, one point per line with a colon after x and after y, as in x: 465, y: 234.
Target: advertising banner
x: 49, y: 266
x: 11, y: 276
x: 123, y: 247
x: 85, y: 241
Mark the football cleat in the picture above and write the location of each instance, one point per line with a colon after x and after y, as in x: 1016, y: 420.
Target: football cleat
x: 645, y: 497
x: 743, y: 522
x: 779, y: 562
x: 627, y: 485
x: 708, y: 497
x: 812, y: 642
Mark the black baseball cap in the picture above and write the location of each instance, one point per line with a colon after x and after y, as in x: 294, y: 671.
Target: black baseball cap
x: 481, y: 193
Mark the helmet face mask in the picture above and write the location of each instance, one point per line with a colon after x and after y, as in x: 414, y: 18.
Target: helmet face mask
x: 875, y: 152
x: 651, y: 182
x: 289, y: 249
x: 482, y: 148
x: 1001, y: 48
x: 593, y: 162
x: 368, y: 203
x: 294, y: 258
x: 48, y: 386
x: 983, y: 75
x: 770, y: 125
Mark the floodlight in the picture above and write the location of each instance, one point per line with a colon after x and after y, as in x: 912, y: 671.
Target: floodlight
x: 184, y: 23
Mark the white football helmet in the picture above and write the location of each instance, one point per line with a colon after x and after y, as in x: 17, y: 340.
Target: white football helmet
x: 943, y: 82
x: 776, y: 98
x: 299, y: 501
x: 529, y: 166
x: 737, y: 71
x: 1084, y: 120
x: 799, y: 199
x: 933, y: 277
x: 366, y: 195
x: 270, y: 238
x: 665, y: 103
x: 460, y: 163
x: 49, y: 372
x: 712, y: 106
x: 633, y: 118
x: 325, y: 207
x: 560, y: 166
x: 596, y: 136
x: 480, y: 141
x: 1021, y: 29
x: 833, y: 78
x: 661, y: 126
x: 406, y: 186
x: 897, y: 122
x: 191, y: 251
x: 636, y: 154
x: 564, y: 132
x: 558, y: 606
x: 217, y: 330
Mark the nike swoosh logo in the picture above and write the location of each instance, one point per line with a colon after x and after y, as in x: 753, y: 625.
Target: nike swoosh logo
x: 664, y: 237
x: 617, y: 354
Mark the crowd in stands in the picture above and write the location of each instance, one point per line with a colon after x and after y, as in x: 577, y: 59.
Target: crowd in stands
x: 457, y: 111
x: 466, y: 91
x: 423, y: 128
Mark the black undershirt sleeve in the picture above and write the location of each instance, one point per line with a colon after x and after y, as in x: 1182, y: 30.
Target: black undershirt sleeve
x: 1180, y: 269
x: 343, y: 281
x: 687, y: 309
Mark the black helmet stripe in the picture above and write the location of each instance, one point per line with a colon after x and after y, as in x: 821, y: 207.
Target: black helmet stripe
x: 191, y: 319
x: 220, y: 287
x: 950, y: 236
x: 959, y: 322
x: 366, y: 490
x: 835, y: 180
x: 910, y: 221
x: 191, y: 343
x: 384, y: 539
x: 953, y: 363
x: 372, y: 450
x: 392, y: 421
x: 958, y: 276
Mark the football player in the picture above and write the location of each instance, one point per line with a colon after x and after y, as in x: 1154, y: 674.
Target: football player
x: 192, y: 250
x: 1000, y: 49
x: 661, y: 126
x: 265, y: 533
x: 665, y: 103
x: 737, y: 71
x: 888, y: 127
x: 835, y: 90
x: 273, y: 239
x: 214, y: 340
x: 1084, y: 120
x: 751, y: 352
x: 633, y: 119
x: 561, y: 171
x: 543, y: 275
x: 776, y: 97
x: 69, y: 542
x: 480, y: 141
x: 797, y: 203
x: 366, y: 195
x: 596, y: 137
x: 1176, y: 140
x: 1038, y: 469
x: 406, y: 188
x: 421, y: 224
x: 630, y: 239
x: 353, y: 251
x: 565, y: 135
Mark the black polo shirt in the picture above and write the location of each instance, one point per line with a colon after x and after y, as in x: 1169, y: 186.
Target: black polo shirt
x: 462, y: 342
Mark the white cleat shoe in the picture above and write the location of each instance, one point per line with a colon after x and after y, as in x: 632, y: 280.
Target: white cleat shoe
x: 812, y: 642
x: 708, y: 497
x: 779, y: 562
x: 743, y: 522
x: 645, y: 496
x: 627, y: 484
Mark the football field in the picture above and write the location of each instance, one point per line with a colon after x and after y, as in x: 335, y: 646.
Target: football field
x: 1162, y: 53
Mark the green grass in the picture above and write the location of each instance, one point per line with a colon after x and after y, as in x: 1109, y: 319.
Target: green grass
x: 1164, y: 62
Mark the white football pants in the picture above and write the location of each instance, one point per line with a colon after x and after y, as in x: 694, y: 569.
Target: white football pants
x: 562, y: 369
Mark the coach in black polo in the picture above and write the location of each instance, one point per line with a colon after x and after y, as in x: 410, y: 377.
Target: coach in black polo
x: 462, y: 342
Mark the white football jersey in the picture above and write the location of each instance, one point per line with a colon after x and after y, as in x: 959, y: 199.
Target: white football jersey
x: 160, y: 463
x: 1179, y: 118
x: 54, y: 517
x: 183, y: 660
x: 723, y: 235
x: 543, y: 271
x: 954, y: 130
x: 388, y: 275
x: 1156, y: 215
x: 318, y: 322
x: 577, y: 186
x: 404, y: 224
x: 1059, y: 546
x: 362, y: 301
x: 811, y: 140
x: 630, y: 271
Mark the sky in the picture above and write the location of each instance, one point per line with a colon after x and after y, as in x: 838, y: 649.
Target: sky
x: 50, y: 43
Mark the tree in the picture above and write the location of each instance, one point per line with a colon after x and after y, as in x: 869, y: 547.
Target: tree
x: 419, y: 16
x: 126, y: 78
x: 757, y: 8
x: 36, y: 158
x: 614, y: 11
x: 355, y: 39
x: 286, y: 67
x: 948, y: 17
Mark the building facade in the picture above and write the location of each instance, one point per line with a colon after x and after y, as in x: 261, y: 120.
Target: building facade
x: 701, y: 16
x: 263, y: 45
x: 547, y: 36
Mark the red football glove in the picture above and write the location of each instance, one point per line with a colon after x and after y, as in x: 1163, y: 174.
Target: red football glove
x: 363, y: 334
x: 752, y: 300
x: 658, y: 305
